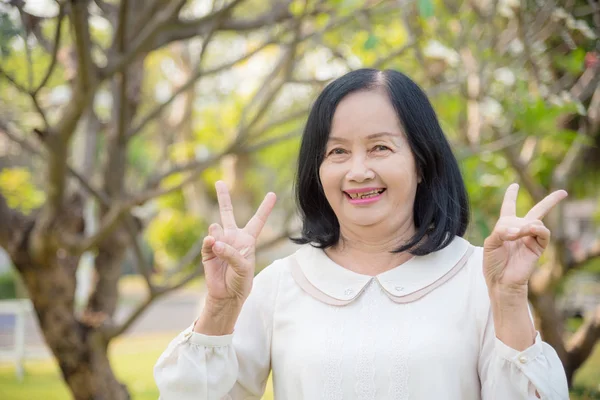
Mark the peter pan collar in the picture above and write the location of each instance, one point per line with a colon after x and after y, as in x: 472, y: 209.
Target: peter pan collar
x: 333, y: 284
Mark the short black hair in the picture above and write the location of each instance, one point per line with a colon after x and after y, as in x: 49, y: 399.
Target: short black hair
x: 441, y: 208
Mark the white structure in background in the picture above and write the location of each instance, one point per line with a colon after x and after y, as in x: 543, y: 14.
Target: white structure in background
x: 19, y: 308
x: 5, y: 265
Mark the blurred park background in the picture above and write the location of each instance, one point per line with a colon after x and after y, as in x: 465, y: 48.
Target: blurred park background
x: 117, y: 117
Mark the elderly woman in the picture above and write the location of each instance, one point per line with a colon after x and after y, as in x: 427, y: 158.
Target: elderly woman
x: 385, y: 299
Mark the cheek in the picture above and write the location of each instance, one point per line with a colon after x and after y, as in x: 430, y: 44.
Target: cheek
x: 330, y: 177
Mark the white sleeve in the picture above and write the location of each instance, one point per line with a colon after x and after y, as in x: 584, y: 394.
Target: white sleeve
x: 236, y: 366
x: 506, y: 373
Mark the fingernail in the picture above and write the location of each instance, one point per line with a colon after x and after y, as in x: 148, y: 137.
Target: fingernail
x: 219, y: 246
x: 512, y: 231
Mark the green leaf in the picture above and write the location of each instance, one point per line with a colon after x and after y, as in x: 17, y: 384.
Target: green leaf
x: 346, y: 7
x: 296, y: 8
x: 371, y: 42
x: 7, y: 32
x: 426, y: 8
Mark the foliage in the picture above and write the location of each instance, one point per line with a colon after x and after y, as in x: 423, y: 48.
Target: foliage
x: 8, y: 286
x: 7, y: 31
x: 172, y: 233
x: 501, y: 75
x: 16, y: 184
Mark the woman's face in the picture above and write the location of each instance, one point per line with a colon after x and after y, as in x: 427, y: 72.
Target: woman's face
x: 368, y: 173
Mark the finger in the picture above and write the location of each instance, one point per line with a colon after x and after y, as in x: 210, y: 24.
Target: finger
x: 225, y: 207
x: 257, y: 222
x: 231, y: 256
x: 542, y: 235
x: 207, y: 249
x: 541, y: 209
x: 509, y: 204
x: 215, y: 231
x: 515, y: 232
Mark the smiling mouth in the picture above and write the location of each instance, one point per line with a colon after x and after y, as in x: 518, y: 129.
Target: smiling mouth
x: 365, y: 195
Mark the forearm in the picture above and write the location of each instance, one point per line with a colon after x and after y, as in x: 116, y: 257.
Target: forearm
x: 512, y: 321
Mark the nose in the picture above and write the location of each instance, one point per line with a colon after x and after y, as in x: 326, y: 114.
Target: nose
x: 359, y: 170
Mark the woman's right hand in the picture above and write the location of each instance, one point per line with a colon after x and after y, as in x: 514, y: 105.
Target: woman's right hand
x: 228, y: 256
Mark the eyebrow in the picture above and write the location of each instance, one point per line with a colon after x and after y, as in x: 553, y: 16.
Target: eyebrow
x: 370, y: 137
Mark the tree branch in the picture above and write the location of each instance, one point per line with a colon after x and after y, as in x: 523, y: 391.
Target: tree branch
x: 587, y: 83
x: 86, y: 69
x: 580, y: 258
x: 108, y: 224
x: 565, y: 170
x: 191, y: 255
x: 286, y: 65
x: 197, y: 166
x: 83, y: 181
x: 582, y: 343
x: 31, y: 23
x: 143, y: 40
x: 182, y: 30
x: 58, y: 137
x: 143, y: 268
x: 120, y: 36
x: 12, y: 228
x: 144, y: 17
x: 12, y: 80
x: 497, y: 145
x: 119, y: 208
x: 536, y: 191
x: 189, y: 258
x: 131, y: 318
x: 270, y: 142
x: 106, y: 8
x: 283, y: 120
x: 389, y: 57
x: 199, y: 72
x: 116, y: 212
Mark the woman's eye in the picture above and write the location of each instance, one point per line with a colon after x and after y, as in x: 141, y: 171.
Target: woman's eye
x: 337, y: 151
x: 381, y: 147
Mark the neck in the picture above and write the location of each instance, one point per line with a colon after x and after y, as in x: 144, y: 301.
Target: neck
x: 368, y: 250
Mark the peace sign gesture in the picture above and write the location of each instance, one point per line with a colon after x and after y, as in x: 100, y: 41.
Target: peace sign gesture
x: 514, y: 246
x: 228, y: 252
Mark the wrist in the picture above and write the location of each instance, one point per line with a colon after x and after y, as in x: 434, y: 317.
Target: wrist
x: 512, y: 320
x: 508, y: 295
x: 218, y: 317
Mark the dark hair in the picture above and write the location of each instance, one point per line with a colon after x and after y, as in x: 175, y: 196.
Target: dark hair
x: 441, y: 208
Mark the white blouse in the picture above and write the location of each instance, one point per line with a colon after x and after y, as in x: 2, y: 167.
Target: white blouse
x: 422, y: 330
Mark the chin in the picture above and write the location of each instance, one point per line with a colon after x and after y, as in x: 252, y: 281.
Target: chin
x: 367, y: 221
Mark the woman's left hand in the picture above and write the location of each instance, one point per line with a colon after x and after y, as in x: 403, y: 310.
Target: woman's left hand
x: 515, y: 245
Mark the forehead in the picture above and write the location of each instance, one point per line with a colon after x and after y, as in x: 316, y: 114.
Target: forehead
x: 364, y: 113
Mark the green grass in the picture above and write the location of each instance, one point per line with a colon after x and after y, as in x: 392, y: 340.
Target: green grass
x: 134, y: 358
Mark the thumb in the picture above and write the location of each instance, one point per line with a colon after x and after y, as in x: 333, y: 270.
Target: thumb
x: 233, y: 257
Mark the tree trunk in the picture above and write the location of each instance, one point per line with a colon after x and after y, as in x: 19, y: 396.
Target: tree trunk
x: 79, y: 348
